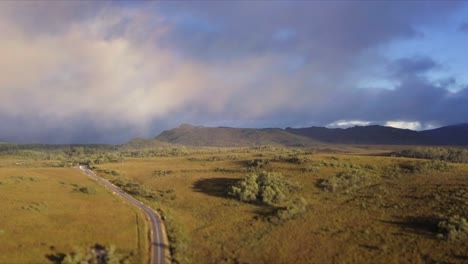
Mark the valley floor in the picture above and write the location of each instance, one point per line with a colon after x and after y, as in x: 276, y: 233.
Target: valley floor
x: 395, y: 215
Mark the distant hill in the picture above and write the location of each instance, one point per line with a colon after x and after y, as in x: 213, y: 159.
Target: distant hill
x: 366, y: 135
x: 231, y: 137
x: 455, y: 135
x: 141, y: 143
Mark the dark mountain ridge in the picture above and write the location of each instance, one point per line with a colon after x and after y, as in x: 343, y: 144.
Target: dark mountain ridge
x: 454, y: 135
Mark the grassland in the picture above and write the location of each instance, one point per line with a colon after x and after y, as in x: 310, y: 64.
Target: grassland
x: 47, y: 212
x: 383, y: 210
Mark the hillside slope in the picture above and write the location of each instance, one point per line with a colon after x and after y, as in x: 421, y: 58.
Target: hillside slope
x: 455, y: 135
x: 231, y: 137
x: 370, y: 135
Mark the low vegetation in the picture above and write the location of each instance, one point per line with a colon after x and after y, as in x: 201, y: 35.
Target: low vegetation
x: 93, y: 255
x: 423, y: 166
x: 294, y: 209
x: 346, y: 180
x: 136, y: 189
x: 454, y: 228
x: 47, y: 210
x: 456, y: 155
x: 264, y: 187
x: 349, y: 207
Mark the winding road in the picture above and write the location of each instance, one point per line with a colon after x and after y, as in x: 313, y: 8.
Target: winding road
x: 158, y: 244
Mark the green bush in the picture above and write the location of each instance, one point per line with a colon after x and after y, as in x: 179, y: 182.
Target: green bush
x: 264, y: 187
x: 294, y: 159
x: 423, y: 166
x: 93, y: 255
x: 456, y: 155
x: 136, y: 189
x: 454, y: 228
x: 292, y: 210
x: 345, y: 180
x: 257, y: 163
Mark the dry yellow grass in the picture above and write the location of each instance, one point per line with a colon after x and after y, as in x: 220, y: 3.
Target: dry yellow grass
x: 42, y: 213
x: 392, y: 220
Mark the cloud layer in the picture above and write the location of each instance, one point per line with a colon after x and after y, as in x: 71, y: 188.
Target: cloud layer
x: 106, y: 72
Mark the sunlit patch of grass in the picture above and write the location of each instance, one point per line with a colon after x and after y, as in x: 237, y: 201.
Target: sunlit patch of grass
x: 364, y: 219
x: 51, y: 210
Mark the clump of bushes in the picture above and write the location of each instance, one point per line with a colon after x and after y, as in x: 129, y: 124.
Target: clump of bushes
x: 257, y: 163
x: 423, y: 166
x: 415, y: 167
x: 86, y: 190
x: 106, y: 171
x: 162, y: 172
x: 135, y: 188
x: 158, y: 152
x: 292, y: 210
x: 24, y: 178
x: 345, y: 180
x: 95, y: 254
x: 294, y: 159
x: 455, y: 155
x: 264, y: 187
x: 454, y: 228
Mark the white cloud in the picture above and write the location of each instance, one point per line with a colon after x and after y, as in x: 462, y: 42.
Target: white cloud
x: 405, y: 125
x: 348, y: 123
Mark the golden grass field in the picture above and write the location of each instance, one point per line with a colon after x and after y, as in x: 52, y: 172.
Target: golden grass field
x: 43, y: 214
x: 391, y: 219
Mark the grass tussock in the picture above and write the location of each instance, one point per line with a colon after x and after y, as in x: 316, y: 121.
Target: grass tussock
x: 420, y: 167
x: 456, y: 155
x: 294, y: 209
x: 345, y: 180
x: 96, y: 254
x: 454, y: 228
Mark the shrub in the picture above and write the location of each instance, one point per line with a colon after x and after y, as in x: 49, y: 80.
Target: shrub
x: 424, y: 166
x: 265, y: 187
x: 456, y: 155
x: 345, y: 180
x: 257, y: 163
x: 454, y: 228
x: 292, y: 210
x: 312, y: 168
x: 96, y: 254
x: 86, y: 190
x: 296, y: 160
x: 136, y: 189
x: 162, y: 172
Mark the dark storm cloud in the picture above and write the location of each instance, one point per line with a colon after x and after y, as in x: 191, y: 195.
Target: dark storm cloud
x: 106, y: 72
x: 411, y: 66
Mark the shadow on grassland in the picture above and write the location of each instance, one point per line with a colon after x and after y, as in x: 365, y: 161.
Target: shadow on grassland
x: 95, y: 254
x: 421, y: 225
x: 218, y: 187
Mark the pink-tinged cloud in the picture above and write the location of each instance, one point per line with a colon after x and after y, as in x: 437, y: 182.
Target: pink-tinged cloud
x: 91, y: 72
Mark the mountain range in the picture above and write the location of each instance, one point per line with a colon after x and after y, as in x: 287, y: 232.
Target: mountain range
x: 189, y: 135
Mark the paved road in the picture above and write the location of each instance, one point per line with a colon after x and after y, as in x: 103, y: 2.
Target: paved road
x: 157, y: 239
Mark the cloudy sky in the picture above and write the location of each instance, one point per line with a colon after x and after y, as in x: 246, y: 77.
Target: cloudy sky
x: 88, y: 72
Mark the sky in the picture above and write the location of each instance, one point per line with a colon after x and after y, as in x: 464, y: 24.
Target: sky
x: 106, y: 72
